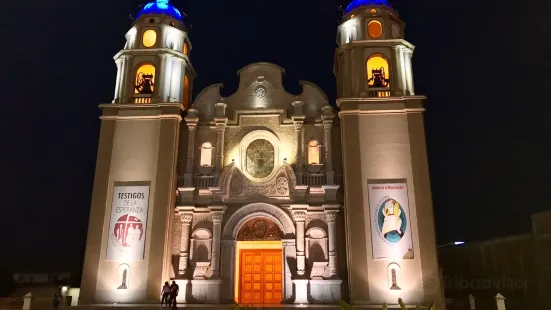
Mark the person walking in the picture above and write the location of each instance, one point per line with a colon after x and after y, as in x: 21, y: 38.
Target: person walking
x: 165, y: 292
x: 174, y: 289
x: 57, y: 299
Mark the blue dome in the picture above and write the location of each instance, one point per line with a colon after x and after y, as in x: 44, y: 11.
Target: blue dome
x: 358, y: 3
x: 160, y: 7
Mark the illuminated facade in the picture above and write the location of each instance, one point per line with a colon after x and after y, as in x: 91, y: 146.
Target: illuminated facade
x: 244, y: 199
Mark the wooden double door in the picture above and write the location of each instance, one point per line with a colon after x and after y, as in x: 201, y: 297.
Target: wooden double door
x: 261, y: 277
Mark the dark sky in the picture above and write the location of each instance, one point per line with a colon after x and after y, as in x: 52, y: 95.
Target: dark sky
x: 484, y: 66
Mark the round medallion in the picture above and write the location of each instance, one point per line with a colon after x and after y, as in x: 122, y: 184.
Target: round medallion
x: 260, y: 159
x: 261, y: 91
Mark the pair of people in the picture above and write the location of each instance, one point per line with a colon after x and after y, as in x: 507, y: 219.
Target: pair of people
x: 169, y: 293
x: 58, y: 297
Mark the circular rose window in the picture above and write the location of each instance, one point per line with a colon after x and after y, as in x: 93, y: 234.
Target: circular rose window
x: 260, y: 158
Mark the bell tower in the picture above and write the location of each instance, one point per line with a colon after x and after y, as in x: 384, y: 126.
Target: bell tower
x: 389, y: 216
x: 127, y: 257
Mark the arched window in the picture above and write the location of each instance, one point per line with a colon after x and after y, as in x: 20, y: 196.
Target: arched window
x: 185, y: 48
x: 186, y: 98
x: 149, y: 38
x: 314, y: 152
x: 206, y: 154
x: 124, y: 271
x: 394, y: 276
x: 378, y: 73
x: 374, y: 29
x: 145, y: 80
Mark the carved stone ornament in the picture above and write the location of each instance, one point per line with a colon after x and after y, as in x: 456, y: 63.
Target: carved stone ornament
x: 217, y: 217
x: 200, y: 270
x: 298, y: 126
x: 259, y: 229
x: 299, y: 216
x: 318, y: 270
x: 331, y: 216
x: 261, y: 91
x: 186, y: 218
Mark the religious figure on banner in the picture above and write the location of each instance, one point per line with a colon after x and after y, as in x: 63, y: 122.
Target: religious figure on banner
x: 392, y: 221
x: 128, y: 230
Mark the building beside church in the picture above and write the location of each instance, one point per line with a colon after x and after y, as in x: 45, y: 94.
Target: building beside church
x: 517, y: 266
x: 263, y: 197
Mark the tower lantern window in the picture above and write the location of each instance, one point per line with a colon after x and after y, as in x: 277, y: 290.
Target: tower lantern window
x: 378, y: 71
x: 375, y: 29
x: 145, y: 80
x: 149, y: 38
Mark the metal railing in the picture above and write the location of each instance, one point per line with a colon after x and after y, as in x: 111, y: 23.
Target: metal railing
x: 204, y: 181
x: 379, y: 92
x: 314, y: 179
x: 143, y: 99
x: 11, y: 303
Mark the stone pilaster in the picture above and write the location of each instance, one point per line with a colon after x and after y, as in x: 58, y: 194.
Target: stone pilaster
x: 298, y: 120
x: 162, y: 78
x: 217, y: 217
x: 221, y: 122
x: 300, y: 217
x: 327, y: 118
x: 331, y: 217
x: 191, y: 122
x: 186, y: 219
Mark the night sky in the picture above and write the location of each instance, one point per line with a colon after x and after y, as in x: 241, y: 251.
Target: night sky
x: 484, y: 66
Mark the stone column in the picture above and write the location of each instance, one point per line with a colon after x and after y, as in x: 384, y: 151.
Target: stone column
x: 186, y: 219
x: 118, y: 81
x: 331, y: 217
x: 221, y: 122
x: 327, y: 118
x: 298, y: 121
x: 127, y: 81
x: 217, y: 217
x: 411, y: 88
x: 289, y: 253
x: 300, y: 217
x: 161, y: 87
x: 191, y: 121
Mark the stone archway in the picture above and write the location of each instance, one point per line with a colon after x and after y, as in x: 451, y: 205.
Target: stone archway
x: 282, y: 219
x: 230, y: 233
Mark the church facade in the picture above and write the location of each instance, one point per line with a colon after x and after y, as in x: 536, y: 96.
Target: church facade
x: 263, y: 197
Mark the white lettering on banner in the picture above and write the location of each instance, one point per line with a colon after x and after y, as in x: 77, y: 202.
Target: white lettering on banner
x: 390, y: 223
x: 128, y: 223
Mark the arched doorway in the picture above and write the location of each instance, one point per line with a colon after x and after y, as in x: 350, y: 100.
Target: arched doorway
x: 259, y: 266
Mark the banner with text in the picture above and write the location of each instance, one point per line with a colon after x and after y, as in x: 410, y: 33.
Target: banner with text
x: 128, y: 223
x: 390, y: 223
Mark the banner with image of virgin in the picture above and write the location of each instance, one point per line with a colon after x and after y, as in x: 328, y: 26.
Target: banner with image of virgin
x: 126, y: 241
x: 390, y: 222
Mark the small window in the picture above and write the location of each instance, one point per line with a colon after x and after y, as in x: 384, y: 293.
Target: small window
x: 394, y: 277
x: 145, y: 80
x: 149, y: 38
x: 185, y: 48
x: 375, y: 29
x: 352, y: 16
x: 313, y: 153
x: 206, y: 154
x: 373, y: 11
x: 186, y: 92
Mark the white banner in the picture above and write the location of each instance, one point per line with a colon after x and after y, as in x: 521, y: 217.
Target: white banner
x: 390, y: 222
x: 128, y: 223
